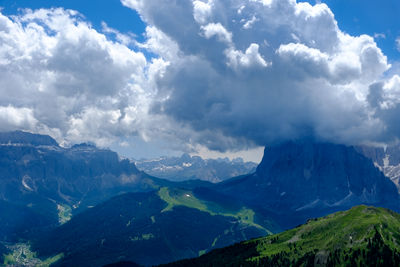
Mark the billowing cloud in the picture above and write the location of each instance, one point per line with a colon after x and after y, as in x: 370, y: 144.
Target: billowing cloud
x: 224, y: 75
x: 384, y: 97
x: 255, y: 72
x: 59, y: 75
x: 11, y: 117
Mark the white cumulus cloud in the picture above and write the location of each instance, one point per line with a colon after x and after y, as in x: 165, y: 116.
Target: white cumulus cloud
x: 59, y: 75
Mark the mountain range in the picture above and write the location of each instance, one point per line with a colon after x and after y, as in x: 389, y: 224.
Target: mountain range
x: 86, y: 205
x: 45, y: 183
x: 43, y: 186
x: 189, y: 167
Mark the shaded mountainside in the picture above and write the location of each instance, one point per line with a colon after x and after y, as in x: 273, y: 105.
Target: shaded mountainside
x: 299, y: 180
x: 40, y: 178
x: 147, y: 228
x: 26, y: 138
x: 3, y: 251
x: 361, y: 236
x: 122, y: 264
x: 194, y: 167
x: 18, y: 221
x: 60, y: 174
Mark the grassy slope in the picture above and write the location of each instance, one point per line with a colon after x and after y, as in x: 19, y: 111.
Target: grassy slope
x: 348, y: 229
x: 181, y: 197
x: 139, y: 227
x: 342, y: 235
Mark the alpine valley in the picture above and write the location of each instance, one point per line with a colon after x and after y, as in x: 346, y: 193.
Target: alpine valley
x: 86, y: 206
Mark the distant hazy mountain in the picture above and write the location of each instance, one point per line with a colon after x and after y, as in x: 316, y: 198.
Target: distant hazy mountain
x: 194, y: 167
x: 387, y: 159
x: 147, y: 228
x: 304, y: 179
x: 361, y: 236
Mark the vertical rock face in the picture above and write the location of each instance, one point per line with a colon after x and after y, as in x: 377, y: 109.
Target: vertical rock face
x: 25, y: 138
x: 36, y: 165
x: 38, y: 177
x: 304, y: 175
x: 36, y: 171
x: 386, y: 159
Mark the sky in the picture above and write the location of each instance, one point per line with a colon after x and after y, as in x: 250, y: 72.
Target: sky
x: 209, y: 77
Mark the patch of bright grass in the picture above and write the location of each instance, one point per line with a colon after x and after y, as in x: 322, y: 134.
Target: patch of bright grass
x: 178, y: 197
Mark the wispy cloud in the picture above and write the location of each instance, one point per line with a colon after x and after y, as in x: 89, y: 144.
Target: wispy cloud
x: 398, y: 43
x: 379, y: 36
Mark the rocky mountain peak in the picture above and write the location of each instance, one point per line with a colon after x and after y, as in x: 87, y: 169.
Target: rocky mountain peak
x: 324, y: 172
x: 26, y: 138
x: 306, y: 175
